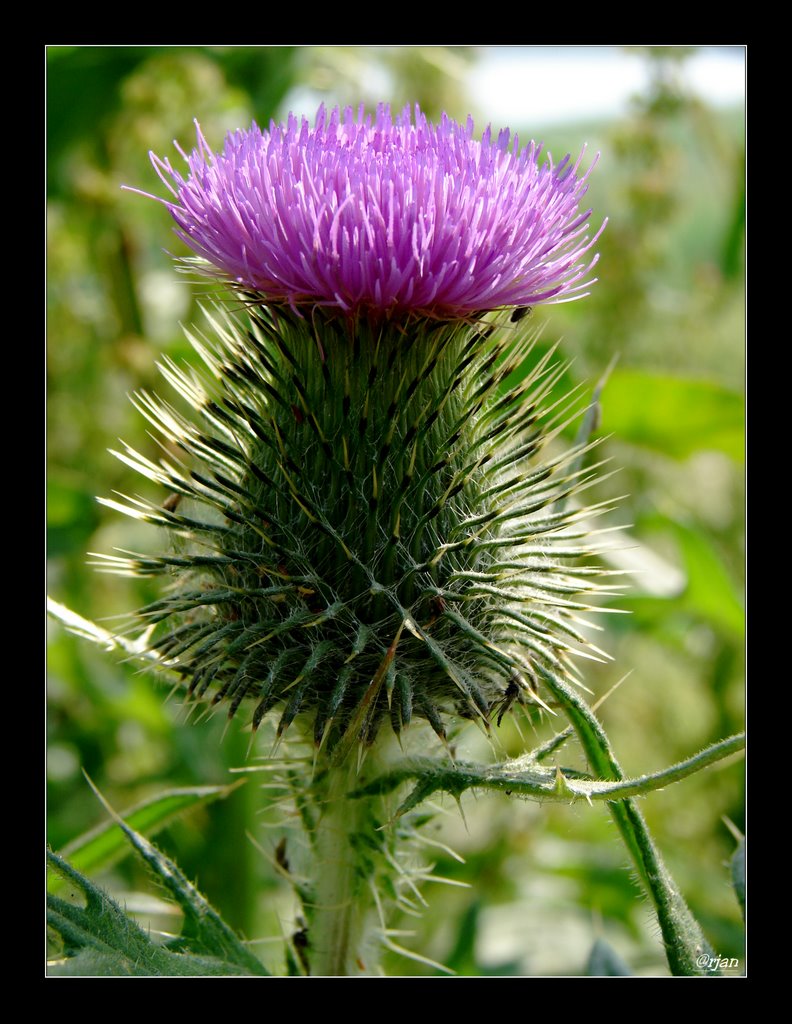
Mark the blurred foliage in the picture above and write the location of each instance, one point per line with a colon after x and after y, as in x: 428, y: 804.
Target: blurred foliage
x: 551, y: 893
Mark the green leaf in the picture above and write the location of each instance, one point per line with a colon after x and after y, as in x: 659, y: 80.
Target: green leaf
x: 204, y: 931
x: 738, y: 874
x: 72, y: 516
x: 463, y: 953
x: 605, y: 962
x: 673, y: 415
x: 710, y: 592
x: 101, y: 941
x: 106, y: 844
x: 92, y: 963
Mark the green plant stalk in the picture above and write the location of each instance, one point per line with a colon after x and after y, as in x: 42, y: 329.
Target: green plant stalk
x: 683, y: 939
x: 526, y: 778
x: 340, y: 918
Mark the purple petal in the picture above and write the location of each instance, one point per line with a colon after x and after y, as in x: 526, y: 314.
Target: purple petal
x: 385, y: 217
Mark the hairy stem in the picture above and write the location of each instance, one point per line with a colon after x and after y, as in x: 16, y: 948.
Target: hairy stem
x: 345, y: 842
x: 524, y: 777
x: 684, y: 941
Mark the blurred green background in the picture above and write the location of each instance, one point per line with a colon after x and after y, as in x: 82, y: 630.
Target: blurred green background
x: 546, y: 881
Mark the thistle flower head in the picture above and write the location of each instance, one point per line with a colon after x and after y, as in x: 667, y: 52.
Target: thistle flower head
x: 378, y: 535
x: 385, y: 217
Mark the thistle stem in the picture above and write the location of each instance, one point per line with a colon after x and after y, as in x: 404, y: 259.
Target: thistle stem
x: 345, y: 845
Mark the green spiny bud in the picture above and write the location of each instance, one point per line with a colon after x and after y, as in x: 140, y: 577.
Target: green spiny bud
x: 370, y: 527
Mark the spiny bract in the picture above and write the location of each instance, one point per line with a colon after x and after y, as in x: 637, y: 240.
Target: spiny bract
x: 370, y: 532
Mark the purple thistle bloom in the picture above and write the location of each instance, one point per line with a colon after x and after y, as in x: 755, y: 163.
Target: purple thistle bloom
x: 385, y: 217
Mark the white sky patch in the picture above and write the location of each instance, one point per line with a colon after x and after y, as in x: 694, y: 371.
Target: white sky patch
x: 545, y: 85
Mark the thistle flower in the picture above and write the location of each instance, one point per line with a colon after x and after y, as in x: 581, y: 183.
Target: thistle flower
x: 385, y: 216
x: 374, y: 536
x: 370, y: 527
